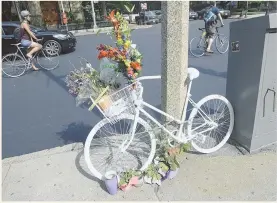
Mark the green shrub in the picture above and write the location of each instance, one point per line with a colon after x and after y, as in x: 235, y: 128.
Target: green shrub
x: 239, y: 10
x: 253, y: 10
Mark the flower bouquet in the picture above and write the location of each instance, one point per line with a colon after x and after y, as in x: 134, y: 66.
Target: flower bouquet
x: 125, y: 54
x: 116, y: 64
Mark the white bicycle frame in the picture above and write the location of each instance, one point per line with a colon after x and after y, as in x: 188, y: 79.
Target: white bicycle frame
x: 181, y: 137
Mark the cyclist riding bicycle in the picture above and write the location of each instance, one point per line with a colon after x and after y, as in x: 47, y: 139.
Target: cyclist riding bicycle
x: 210, y: 19
x: 27, y: 36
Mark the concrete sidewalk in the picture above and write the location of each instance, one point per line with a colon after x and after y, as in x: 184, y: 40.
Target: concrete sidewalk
x: 61, y: 174
x: 248, y: 16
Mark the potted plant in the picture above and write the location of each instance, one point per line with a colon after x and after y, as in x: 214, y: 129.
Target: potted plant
x: 129, y: 178
x: 152, y: 175
x: 169, y: 162
x: 111, y: 182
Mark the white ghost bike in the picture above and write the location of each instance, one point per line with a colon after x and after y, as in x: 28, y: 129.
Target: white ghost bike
x: 124, y: 139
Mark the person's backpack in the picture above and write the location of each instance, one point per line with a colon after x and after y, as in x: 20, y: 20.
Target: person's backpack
x: 209, y: 16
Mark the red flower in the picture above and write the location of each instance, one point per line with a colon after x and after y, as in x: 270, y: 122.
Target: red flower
x: 102, y: 54
x: 136, y: 66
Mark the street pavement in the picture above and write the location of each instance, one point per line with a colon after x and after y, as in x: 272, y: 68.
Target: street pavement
x: 39, y: 113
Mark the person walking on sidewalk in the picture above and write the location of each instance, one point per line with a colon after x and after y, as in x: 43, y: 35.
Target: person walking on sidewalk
x: 210, y: 19
x: 27, y: 36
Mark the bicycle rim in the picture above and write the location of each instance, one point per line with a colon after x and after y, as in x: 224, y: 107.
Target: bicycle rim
x: 48, y: 62
x: 102, y: 148
x: 220, y: 111
x: 13, y: 65
x: 222, y: 43
x: 198, y: 49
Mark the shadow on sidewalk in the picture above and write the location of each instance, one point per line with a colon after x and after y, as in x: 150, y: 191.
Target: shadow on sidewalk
x: 81, y: 166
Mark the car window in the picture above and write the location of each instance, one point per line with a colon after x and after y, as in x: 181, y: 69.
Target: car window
x: 3, y: 33
x: 8, y: 29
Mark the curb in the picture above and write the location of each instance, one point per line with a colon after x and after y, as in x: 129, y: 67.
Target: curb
x: 248, y: 16
x: 35, y: 155
x: 104, y: 30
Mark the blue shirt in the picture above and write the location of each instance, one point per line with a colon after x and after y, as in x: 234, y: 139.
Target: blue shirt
x: 215, y: 10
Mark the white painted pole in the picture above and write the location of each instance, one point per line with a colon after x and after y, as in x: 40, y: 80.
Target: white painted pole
x: 93, y: 15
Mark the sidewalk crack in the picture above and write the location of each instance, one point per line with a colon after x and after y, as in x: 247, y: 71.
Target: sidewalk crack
x: 156, y: 190
x: 6, y: 174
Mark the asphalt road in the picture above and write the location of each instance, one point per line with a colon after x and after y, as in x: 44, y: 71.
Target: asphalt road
x: 39, y: 113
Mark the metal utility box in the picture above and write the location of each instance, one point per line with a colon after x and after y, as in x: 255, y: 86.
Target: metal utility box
x: 252, y: 81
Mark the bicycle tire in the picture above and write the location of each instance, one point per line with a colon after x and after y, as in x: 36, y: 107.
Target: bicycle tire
x: 95, y: 168
x: 202, y: 52
x: 22, y: 70
x: 43, y: 56
x: 193, y: 116
x: 218, y: 40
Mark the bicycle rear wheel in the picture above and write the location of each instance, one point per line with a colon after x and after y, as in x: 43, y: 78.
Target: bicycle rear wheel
x: 13, y: 65
x: 103, y: 146
x: 46, y: 61
x: 222, y: 43
x: 211, y: 110
x: 197, y: 46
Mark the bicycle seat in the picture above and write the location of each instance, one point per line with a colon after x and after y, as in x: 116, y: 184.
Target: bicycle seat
x: 193, y: 73
x: 201, y: 29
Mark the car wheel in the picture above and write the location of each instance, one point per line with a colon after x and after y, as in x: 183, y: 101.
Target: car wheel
x: 52, y: 47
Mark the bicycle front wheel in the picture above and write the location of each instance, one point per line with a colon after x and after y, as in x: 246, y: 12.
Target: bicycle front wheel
x: 104, y: 143
x: 197, y: 46
x: 222, y: 43
x: 46, y: 61
x: 211, y: 123
x: 13, y: 65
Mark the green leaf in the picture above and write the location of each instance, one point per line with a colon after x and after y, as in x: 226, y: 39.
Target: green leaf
x: 99, y: 30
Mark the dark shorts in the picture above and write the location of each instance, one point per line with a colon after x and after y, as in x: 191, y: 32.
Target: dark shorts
x: 210, y: 29
x: 25, y: 43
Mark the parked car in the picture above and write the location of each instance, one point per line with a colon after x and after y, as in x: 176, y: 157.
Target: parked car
x: 130, y: 17
x: 146, y: 17
x: 158, y: 14
x: 193, y: 15
x: 201, y: 13
x: 224, y: 13
x: 126, y: 17
x: 63, y: 41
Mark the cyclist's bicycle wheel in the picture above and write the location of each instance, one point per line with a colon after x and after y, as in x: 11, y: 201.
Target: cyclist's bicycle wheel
x: 13, y: 65
x: 222, y: 43
x: 46, y: 61
x: 104, y: 144
x: 197, y: 46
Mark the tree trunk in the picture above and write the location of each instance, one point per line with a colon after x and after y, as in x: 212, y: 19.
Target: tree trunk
x: 6, y: 10
x: 104, y: 8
